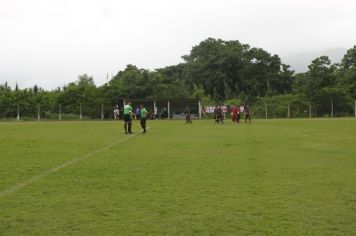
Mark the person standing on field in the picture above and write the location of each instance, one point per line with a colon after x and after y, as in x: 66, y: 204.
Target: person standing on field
x: 247, y: 114
x: 219, y: 115
x: 188, y: 119
x: 137, y: 113
x: 234, y: 114
x: 143, y: 117
x: 238, y: 114
x: 127, y: 118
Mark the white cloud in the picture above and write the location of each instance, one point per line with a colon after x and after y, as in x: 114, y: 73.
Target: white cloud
x: 51, y: 42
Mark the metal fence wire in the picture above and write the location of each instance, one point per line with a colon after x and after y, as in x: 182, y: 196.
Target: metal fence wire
x: 303, y: 109
x: 158, y: 109
x: 174, y: 109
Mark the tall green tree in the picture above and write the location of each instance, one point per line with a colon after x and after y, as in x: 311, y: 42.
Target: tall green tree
x: 348, y: 72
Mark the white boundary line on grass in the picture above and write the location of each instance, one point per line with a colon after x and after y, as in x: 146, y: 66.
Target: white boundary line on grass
x: 55, y: 169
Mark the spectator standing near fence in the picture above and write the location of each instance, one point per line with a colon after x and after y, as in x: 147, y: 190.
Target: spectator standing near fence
x: 116, y: 113
x: 137, y: 113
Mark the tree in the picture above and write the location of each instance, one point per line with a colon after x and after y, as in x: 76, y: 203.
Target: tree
x: 85, y: 81
x: 227, y: 69
x: 348, y: 72
x: 214, y: 71
x: 320, y: 75
x: 349, y: 60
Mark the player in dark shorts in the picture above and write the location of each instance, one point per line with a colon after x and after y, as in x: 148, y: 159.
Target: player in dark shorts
x: 219, y: 115
x: 216, y: 114
x: 188, y: 119
x: 143, y: 117
x: 127, y: 118
x: 247, y: 114
x: 137, y: 113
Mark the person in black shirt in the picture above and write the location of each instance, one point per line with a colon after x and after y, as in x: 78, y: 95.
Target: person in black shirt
x: 219, y: 116
x: 216, y: 114
x: 188, y: 119
x: 247, y: 114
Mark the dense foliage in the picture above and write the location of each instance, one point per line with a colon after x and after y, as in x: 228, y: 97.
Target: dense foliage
x: 215, y: 71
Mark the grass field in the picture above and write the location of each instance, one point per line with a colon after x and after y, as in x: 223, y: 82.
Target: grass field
x: 273, y: 177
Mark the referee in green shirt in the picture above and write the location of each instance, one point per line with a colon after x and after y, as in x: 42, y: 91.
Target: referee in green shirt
x: 127, y: 118
x: 143, y: 117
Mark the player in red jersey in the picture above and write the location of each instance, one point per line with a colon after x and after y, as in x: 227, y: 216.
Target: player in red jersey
x: 234, y: 114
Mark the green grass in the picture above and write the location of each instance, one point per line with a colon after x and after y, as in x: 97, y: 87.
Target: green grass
x: 273, y: 177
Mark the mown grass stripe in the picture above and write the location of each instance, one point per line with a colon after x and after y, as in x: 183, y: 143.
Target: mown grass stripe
x: 57, y: 168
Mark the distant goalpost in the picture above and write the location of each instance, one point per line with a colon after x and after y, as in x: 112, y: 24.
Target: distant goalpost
x: 167, y: 108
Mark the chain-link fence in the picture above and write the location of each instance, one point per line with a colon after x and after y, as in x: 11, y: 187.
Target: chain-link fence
x: 174, y: 109
x: 304, y: 109
x: 60, y: 112
x: 158, y: 109
x: 293, y: 109
x: 168, y: 109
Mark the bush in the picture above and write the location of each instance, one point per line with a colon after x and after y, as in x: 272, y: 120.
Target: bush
x: 277, y: 106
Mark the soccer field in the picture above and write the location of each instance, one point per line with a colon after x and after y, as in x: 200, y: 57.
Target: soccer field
x: 272, y: 177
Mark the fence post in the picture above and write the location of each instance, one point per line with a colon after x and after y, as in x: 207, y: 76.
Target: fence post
x: 154, y: 109
x: 169, y: 110
x: 310, y: 110
x: 102, y: 111
x: 18, y: 112
x: 200, y: 108
x: 80, y: 111
x: 288, y: 111
x: 38, y: 112
x: 60, y: 112
x: 266, y: 110
x: 315, y: 112
x: 332, y: 109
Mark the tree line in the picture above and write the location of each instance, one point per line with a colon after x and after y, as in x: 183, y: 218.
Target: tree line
x: 214, y: 71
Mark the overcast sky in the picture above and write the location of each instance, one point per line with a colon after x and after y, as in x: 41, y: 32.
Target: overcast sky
x: 51, y: 42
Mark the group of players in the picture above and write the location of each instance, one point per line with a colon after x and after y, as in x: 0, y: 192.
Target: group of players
x: 236, y: 112
x: 128, y: 112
